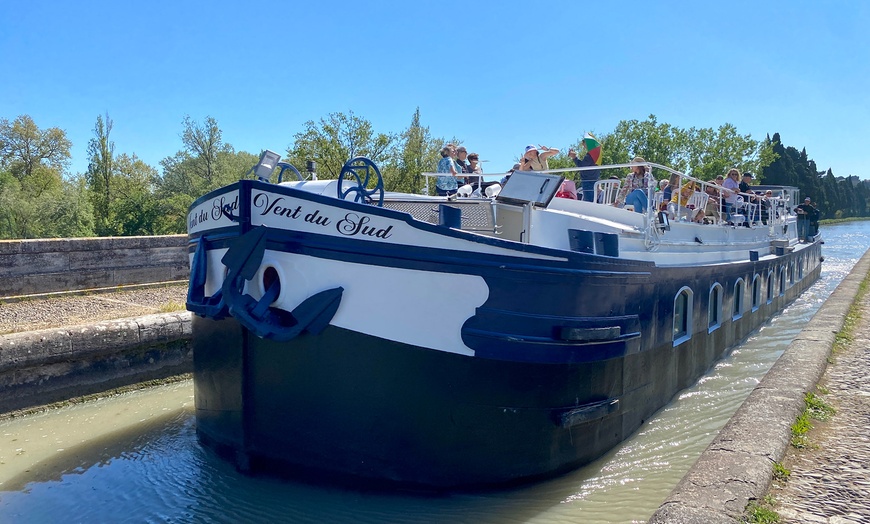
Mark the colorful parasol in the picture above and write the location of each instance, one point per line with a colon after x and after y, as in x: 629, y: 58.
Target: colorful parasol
x: 593, y: 148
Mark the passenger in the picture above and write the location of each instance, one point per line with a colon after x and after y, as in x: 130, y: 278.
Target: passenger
x: 746, y: 183
x: 587, y: 177
x: 814, y: 220
x: 446, y: 185
x: 767, y: 209
x: 804, y: 213
x: 473, y: 168
x: 680, y: 199
x: 663, y: 184
x: 634, y: 188
x: 534, y: 161
x: 509, y: 173
x: 461, y: 160
x: 685, y: 193
x: 714, y: 204
x: 732, y: 189
x: 746, y: 187
x: 669, y: 189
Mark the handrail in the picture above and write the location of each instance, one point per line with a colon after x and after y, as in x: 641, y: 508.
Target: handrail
x: 778, y: 212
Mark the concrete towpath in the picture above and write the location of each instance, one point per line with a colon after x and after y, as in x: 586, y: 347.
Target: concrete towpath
x: 830, y: 478
x: 36, y: 312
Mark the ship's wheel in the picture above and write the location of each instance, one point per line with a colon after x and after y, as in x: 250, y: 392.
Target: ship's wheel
x: 363, y: 178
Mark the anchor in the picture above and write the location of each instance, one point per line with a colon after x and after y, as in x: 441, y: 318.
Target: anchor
x: 242, y: 260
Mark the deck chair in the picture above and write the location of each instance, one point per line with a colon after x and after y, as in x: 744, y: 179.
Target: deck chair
x: 606, y: 191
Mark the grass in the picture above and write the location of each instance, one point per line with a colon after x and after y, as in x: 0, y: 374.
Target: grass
x: 799, y: 431
x: 761, y: 513
x: 845, y: 336
x: 169, y: 307
x: 780, y: 472
x: 815, y: 409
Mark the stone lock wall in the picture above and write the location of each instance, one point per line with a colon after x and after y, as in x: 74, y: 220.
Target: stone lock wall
x: 45, y: 266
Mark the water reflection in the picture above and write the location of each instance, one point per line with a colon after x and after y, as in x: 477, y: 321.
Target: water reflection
x: 135, y: 458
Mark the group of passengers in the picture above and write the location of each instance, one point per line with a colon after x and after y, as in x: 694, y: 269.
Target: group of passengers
x: 459, y: 166
x: 726, y: 196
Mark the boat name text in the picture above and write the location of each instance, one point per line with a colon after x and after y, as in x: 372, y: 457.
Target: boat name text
x: 352, y: 224
x: 204, y: 214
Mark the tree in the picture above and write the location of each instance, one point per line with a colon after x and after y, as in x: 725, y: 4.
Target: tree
x: 659, y: 143
x: 417, y: 153
x: 58, y: 212
x: 100, y: 174
x: 206, y: 163
x: 36, y: 158
x: 135, y: 209
x: 714, y: 152
x: 335, y: 140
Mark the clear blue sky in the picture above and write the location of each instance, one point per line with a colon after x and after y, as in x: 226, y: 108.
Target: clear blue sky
x: 497, y: 75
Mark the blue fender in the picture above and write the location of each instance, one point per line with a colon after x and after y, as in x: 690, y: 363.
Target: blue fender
x: 214, y: 306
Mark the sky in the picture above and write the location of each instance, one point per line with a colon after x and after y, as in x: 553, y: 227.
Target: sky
x: 496, y: 75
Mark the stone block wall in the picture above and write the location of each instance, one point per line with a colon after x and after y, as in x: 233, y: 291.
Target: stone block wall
x: 51, y: 265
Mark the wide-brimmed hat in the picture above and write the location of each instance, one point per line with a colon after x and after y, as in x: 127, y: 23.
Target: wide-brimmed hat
x: 638, y: 159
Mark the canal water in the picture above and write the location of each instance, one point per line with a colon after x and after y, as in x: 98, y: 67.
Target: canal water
x: 135, y: 458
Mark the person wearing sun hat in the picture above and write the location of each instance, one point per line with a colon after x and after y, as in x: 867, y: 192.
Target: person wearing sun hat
x: 532, y: 160
x: 634, y: 187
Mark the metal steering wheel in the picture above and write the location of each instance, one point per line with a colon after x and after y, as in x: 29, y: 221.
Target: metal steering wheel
x: 362, y: 170
x: 287, y: 166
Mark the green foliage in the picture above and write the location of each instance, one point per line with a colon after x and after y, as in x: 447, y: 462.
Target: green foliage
x: 100, y: 176
x: 36, y: 158
x: 761, y: 514
x: 703, y: 153
x: 780, y: 472
x: 335, y: 140
x: 799, y: 430
x: 35, y: 200
x: 815, y: 408
x: 134, y: 208
x: 418, y: 153
x: 62, y: 211
x: 206, y: 163
x: 818, y: 408
x: 121, y: 195
x: 838, y: 198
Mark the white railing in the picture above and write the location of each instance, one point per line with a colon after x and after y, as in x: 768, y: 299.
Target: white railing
x: 752, y: 208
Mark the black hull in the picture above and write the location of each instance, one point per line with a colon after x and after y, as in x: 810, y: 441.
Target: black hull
x: 354, y: 406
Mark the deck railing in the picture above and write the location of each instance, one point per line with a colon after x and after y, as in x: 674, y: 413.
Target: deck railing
x: 750, y: 208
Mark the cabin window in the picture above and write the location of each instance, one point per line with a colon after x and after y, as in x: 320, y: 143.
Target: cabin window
x: 737, y: 309
x: 790, y: 274
x: 769, y: 287
x: 682, y: 316
x: 756, y: 292
x: 782, y: 281
x: 714, y: 308
x: 800, y: 266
